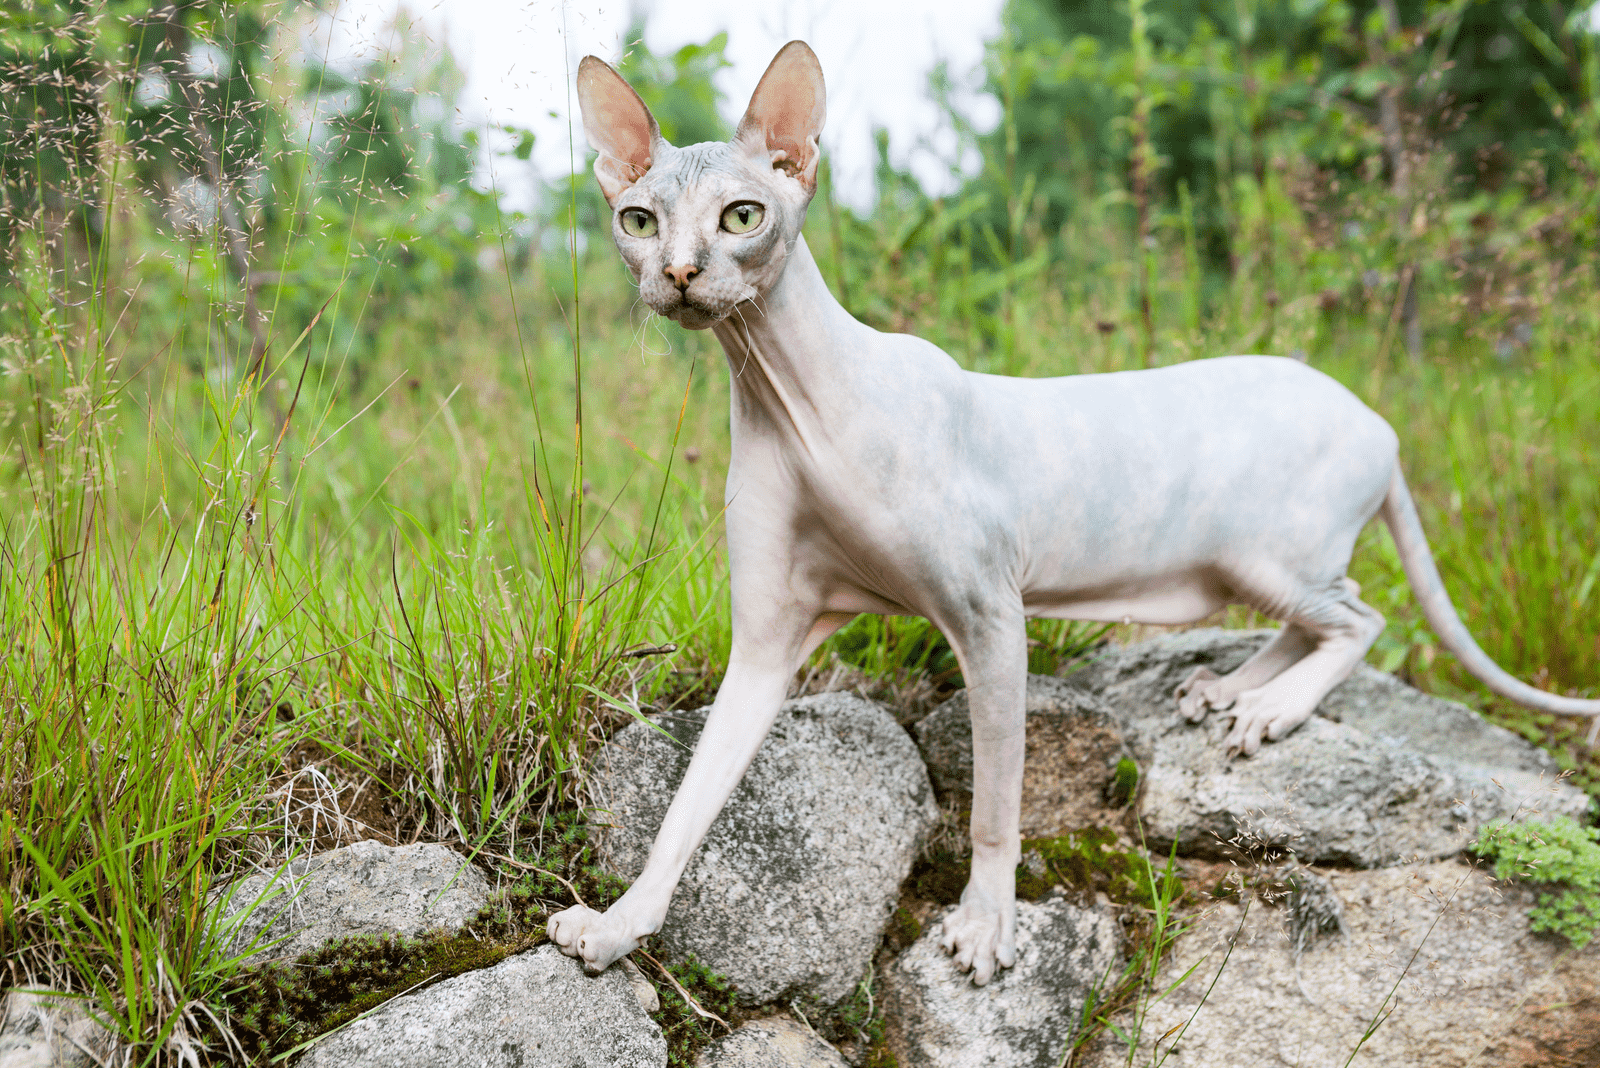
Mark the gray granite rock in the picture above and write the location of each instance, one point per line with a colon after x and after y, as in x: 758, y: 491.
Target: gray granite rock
x: 1024, y: 1017
x: 1074, y: 744
x: 1481, y: 989
x: 365, y: 888
x: 1344, y: 787
x: 534, y: 1010
x: 776, y: 1042
x: 790, y: 892
x: 41, y: 1030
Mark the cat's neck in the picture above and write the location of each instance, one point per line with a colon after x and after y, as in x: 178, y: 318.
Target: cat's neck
x: 790, y: 350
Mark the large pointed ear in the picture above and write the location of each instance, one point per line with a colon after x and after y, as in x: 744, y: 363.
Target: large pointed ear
x: 786, y: 114
x: 618, y: 126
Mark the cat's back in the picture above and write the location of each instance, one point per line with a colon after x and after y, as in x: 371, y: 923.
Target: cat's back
x: 1270, y: 388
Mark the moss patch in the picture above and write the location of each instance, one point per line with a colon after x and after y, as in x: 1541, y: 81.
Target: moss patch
x: 686, y: 1031
x: 1089, y: 861
x: 940, y: 876
x: 276, y: 1007
x: 1124, y: 784
x: 1086, y: 861
x: 858, y: 1021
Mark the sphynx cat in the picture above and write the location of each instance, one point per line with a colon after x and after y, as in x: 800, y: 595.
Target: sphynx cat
x: 870, y: 473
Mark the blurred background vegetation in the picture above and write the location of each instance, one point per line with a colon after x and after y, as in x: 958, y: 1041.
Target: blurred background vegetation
x: 338, y: 499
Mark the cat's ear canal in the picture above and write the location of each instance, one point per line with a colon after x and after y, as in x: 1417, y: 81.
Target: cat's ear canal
x: 618, y: 126
x: 786, y: 114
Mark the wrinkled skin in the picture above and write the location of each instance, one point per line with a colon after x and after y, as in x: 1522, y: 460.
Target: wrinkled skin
x: 870, y: 473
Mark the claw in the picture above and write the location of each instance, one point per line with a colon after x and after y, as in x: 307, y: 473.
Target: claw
x: 980, y: 939
x: 1193, y: 701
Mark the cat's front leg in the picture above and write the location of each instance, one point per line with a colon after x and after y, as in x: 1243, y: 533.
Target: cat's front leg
x: 744, y: 710
x: 981, y: 934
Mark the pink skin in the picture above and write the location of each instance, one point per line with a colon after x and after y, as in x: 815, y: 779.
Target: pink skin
x: 870, y: 473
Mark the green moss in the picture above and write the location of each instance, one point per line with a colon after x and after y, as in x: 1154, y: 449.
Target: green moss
x: 686, y: 1031
x: 858, y: 1018
x: 1124, y: 785
x: 1031, y: 887
x: 273, y: 1008
x: 281, y: 1005
x: 940, y: 876
x: 903, y: 929
x: 1557, y: 853
x: 1089, y: 862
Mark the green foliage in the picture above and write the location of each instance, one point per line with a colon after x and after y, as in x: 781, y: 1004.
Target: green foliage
x: 1557, y: 853
x: 1088, y: 861
x: 1232, y: 86
x: 886, y: 645
x: 680, y: 90
x: 891, y: 645
x: 1119, y: 1004
x: 859, y: 1019
x: 685, y: 1030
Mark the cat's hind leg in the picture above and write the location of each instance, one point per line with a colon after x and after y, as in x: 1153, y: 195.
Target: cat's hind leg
x: 1206, y: 691
x: 1343, y: 628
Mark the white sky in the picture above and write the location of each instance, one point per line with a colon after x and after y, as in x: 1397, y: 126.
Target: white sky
x: 876, y: 56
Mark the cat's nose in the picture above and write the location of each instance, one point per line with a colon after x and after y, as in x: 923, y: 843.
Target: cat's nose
x: 681, y: 274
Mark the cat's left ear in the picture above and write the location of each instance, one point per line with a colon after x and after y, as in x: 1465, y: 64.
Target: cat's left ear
x: 786, y: 113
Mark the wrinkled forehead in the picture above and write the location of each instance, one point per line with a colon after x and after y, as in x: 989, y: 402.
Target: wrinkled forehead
x: 711, y: 163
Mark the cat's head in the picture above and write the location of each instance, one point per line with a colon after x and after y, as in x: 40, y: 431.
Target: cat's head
x: 706, y: 226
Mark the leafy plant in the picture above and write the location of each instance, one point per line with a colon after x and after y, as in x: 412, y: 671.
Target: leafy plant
x: 1559, y: 854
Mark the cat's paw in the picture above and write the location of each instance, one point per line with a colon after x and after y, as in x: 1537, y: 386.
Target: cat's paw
x: 1258, y: 716
x: 596, y: 938
x: 982, y: 936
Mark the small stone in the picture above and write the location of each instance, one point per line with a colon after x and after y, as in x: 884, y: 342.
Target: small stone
x: 48, y: 1030
x: 534, y: 1010
x: 776, y: 1042
x: 365, y: 888
x: 936, y: 1018
x: 790, y: 892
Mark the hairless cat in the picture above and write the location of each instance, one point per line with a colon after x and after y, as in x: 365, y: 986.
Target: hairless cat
x: 870, y: 473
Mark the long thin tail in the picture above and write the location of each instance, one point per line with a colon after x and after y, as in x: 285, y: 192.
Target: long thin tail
x: 1401, y: 514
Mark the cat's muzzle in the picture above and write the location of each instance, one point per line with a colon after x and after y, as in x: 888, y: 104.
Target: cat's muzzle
x: 693, y: 315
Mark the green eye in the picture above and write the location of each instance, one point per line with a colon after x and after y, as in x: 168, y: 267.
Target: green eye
x: 636, y: 222
x: 742, y: 218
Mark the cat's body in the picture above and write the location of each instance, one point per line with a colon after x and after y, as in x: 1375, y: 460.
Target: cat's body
x: 870, y: 473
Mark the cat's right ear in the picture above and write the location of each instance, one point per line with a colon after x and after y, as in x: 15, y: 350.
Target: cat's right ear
x: 618, y: 126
